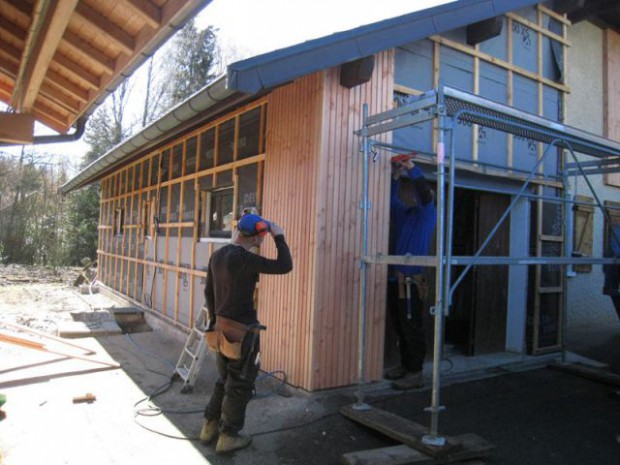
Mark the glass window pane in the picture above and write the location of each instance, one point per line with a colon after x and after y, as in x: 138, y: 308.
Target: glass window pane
x: 221, y: 213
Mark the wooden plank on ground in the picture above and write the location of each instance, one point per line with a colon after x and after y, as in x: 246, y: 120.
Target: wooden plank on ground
x: 473, y: 447
x: 588, y: 372
x: 401, y: 429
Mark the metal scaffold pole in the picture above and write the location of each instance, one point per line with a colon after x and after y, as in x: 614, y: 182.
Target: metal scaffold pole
x: 433, y: 438
x: 363, y: 265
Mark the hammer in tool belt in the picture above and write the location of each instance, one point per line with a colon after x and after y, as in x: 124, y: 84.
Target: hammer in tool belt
x: 255, y: 329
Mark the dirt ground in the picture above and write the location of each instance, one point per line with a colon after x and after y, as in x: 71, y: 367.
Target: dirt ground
x: 37, y: 297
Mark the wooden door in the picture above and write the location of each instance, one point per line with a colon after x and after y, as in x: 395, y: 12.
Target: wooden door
x: 488, y: 325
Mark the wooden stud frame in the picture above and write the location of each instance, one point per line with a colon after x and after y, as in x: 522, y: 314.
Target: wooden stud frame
x: 511, y: 69
x: 131, y: 192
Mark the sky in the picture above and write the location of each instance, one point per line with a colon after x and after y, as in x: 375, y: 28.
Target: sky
x: 259, y: 26
x: 252, y: 27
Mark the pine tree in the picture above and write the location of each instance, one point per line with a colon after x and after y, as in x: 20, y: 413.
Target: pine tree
x: 105, y: 131
x: 193, y: 63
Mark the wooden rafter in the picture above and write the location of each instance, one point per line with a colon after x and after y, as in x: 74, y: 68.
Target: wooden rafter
x: 112, y: 32
x: 146, y: 10
x: 83, y: 75
x: 15, y: 31
x: 18, y: 7
x: 58, y: 58
x: 46, y: 32
x: 88, y: 52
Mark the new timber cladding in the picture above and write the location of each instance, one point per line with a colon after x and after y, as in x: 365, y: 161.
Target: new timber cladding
x: 312, y: 187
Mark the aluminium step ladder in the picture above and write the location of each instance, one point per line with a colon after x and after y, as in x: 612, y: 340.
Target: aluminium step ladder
x: 193, y: 353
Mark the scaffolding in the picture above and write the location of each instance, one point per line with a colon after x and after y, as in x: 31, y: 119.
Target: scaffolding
x: 450, y: 106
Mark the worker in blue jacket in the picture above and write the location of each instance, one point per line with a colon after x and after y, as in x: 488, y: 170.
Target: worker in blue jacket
x: 413, y: 216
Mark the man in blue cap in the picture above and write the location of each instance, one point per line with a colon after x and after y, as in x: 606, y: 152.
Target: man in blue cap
x: 413, y: 215
x: 232, y: 275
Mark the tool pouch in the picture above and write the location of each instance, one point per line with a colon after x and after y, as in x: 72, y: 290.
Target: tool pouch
x: 211, y: 337
x: 230, y: 350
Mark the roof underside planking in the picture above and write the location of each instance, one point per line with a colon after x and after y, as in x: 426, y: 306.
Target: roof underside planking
x: 59, y: 59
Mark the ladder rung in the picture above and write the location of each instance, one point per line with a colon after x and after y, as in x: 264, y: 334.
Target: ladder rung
x: 183, y: 372
x: 190, y: 353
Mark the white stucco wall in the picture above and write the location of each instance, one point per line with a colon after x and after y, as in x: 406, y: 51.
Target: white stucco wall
x: 587, y: 305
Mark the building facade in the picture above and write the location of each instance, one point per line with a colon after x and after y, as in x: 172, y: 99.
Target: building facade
x: 290, y: 151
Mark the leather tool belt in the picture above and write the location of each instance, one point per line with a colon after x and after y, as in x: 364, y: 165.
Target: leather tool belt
x: 227, y: 337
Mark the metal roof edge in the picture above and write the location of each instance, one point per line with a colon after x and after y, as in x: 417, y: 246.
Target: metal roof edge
x: 271, y: 69
x: 212, y: 94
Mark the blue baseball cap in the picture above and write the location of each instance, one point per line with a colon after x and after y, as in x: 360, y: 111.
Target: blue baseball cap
x: 252, y: 225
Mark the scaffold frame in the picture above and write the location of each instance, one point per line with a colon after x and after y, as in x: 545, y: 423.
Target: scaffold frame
x: 448, y: 106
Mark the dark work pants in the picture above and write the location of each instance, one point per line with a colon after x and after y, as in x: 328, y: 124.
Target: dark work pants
x: 234, y: 388
x: 410, y: 332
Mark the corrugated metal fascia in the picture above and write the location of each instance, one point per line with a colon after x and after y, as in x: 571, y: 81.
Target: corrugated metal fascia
x: 269, y: 70
x: 199, y: 102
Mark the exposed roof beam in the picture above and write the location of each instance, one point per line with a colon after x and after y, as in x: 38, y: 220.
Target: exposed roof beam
x: 112, y: 32
x: 50, y: 117
x: 10, y: 51
x: 17, y: 32
x: 17, y: 128
x: 59, y: 98
x: 18, y: 7
x: 47, y: 29
x: 9, y: 67
x: 87, y: 78
x: 63, y: 83
x: 88, y: 52
x: 51, y: 92
x: 146, y: 10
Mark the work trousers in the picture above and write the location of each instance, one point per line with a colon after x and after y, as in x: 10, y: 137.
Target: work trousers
x: 235, y: 386
x: 410, y: 330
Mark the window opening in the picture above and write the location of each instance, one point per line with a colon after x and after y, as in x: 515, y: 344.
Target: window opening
x: 216, y: 212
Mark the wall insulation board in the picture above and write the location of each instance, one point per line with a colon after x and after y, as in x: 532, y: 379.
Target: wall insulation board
x: 505, y: 69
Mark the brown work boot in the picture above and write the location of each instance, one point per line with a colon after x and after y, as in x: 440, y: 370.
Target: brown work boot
x: 209, y: 431
x: 409, y: 381
x: 227, y: 443
x: 396, y: 372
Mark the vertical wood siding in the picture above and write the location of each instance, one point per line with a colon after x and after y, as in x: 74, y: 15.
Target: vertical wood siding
x: 312, y: 183
x: 291, y: 174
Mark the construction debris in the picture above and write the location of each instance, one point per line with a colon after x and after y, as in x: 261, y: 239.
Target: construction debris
x: 88, y: 398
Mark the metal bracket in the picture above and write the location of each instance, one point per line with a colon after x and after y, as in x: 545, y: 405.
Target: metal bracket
x: 437, y: 441
x: 361, y: 406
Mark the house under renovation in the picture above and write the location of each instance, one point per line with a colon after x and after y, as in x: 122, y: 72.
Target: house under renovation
x: 510, y: 108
